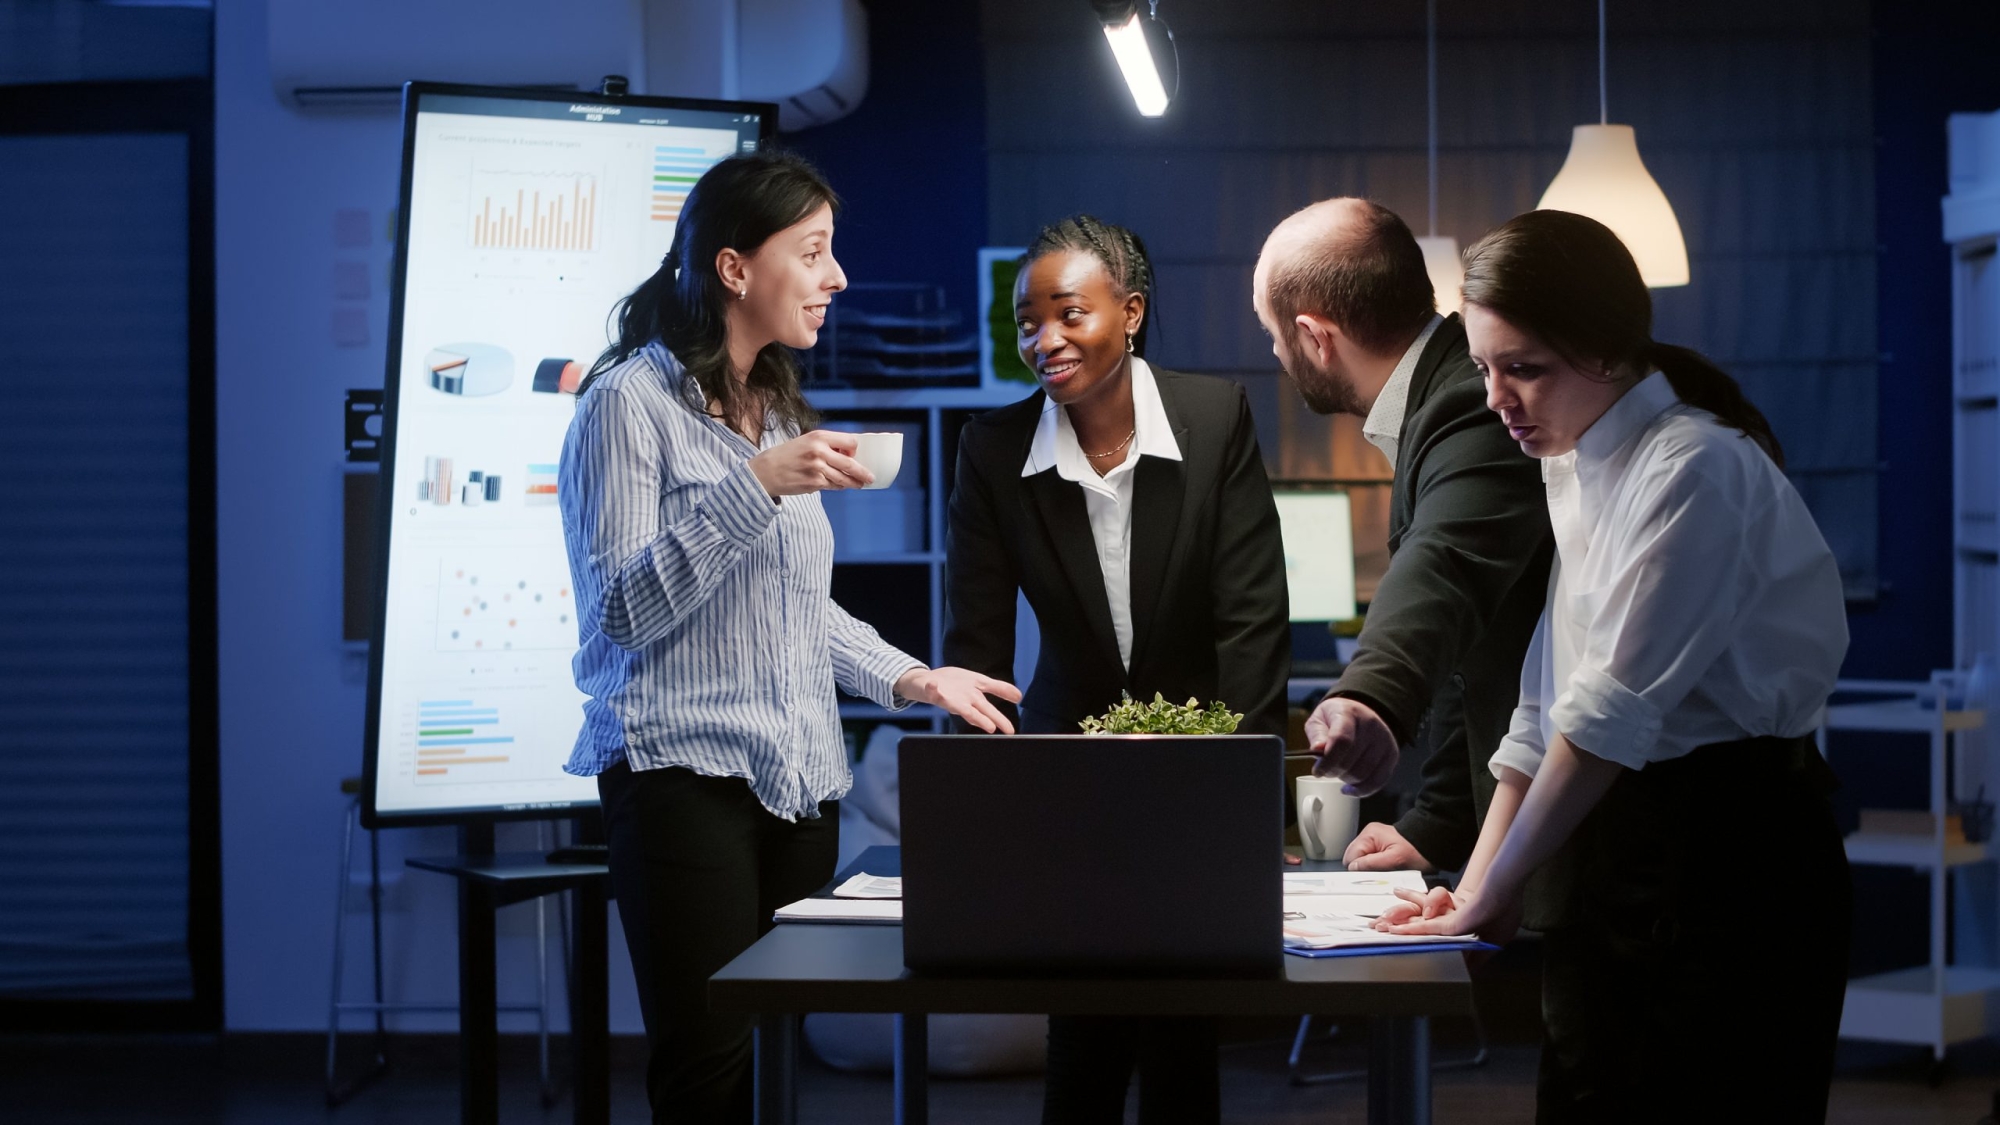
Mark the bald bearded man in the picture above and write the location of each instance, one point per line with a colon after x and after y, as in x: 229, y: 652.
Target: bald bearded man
x: 1342, y: 290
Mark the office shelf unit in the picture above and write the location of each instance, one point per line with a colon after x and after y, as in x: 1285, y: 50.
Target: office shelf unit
x: 1935, y: 1004
x: 900, y: 589
x: 1939, y: 1003
x: 1972, y: 229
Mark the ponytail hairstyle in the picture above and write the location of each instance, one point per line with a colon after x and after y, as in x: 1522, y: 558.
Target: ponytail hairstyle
x: 737, y: 204
x: 1568, y: 280
x: 1123, y: 255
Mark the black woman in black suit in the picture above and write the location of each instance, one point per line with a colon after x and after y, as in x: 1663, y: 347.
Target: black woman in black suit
x: 1130, y: 505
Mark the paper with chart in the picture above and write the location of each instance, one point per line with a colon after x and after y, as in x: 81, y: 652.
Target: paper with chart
x: 1335, y: 909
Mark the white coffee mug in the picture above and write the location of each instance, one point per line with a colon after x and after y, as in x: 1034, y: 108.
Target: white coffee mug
x: 1328, y: 818
x: 881, y: 454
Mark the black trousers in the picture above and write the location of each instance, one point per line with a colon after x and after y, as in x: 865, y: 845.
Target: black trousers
x: 1092, y: 1058
x: 1702, y: 974
x: 698, y: 866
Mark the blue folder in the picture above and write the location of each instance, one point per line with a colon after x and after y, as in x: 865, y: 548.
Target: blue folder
x: 1384, y: 950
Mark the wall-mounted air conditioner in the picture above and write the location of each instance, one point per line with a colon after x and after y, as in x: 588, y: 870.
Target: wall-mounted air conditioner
x: 809, y: 56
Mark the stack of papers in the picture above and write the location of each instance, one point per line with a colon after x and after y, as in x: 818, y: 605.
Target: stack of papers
x: 1337, y: 910
x: 871, y: 886
x: 1327, y: 914
x: 864, y: 911
x: 865, y: 899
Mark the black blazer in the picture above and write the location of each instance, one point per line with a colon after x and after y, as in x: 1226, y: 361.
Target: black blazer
x: 1209, y: 611
x: 1469, y: 548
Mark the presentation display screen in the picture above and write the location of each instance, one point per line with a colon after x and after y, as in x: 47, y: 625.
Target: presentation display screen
x: 1318, y: 526
x: 525, y: 217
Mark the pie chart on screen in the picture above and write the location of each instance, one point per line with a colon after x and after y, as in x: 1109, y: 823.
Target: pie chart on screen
x: 469, y: 370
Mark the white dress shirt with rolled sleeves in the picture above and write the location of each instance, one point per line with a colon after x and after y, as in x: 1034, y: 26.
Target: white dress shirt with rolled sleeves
x: 1693, y: 600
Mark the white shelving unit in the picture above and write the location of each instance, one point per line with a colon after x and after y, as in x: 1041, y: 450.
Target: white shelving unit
x: 1938, y: 1003
x: 937, y: 411
x: 1935, y: 1004
x: 1972, y: 229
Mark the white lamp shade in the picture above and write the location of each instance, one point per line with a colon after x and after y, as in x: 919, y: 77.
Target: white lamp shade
x: 1605, y: 179
x: 1447, y: 270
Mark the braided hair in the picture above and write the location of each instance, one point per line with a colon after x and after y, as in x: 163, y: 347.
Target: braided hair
x: 1123, y: 255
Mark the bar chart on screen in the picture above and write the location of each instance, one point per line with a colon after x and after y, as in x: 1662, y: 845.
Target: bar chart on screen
x: 675, y: 170
x: 462, y: 740
x: 519, y: 209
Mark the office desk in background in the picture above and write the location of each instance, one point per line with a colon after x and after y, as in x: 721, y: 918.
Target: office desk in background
x: 799, y: 968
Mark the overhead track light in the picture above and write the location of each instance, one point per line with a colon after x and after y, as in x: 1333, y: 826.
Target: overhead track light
x: 1605, y: 179
x: 1144, y: 48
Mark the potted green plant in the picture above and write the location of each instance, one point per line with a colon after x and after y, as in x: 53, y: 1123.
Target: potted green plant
x: 1160, y: 717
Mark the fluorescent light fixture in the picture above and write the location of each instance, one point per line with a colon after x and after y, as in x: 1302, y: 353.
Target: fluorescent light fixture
x: 1144, y: 46
x: 1135, y: 61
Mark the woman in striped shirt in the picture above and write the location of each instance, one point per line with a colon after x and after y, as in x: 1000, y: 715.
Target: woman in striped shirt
x: 710, y: 645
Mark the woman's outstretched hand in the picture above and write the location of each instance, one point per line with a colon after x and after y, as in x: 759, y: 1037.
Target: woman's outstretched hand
x: 963, y: 693
x: 1442, y: 911
x: 812, y: 462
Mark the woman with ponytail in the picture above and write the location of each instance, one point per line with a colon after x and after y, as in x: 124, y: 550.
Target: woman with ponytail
x: 1128, y: 505
x: 1694, y: 627
x: 702, y: 562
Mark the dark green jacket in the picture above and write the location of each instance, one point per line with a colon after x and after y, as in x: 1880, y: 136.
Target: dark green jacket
x: 1469, y: 548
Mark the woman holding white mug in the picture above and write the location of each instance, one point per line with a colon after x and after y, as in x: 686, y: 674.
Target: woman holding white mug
x: 710, y: 645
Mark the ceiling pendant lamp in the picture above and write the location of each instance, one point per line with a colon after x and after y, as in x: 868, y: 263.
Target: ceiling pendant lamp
x: 1441, y: 257
x: 1605, y: 179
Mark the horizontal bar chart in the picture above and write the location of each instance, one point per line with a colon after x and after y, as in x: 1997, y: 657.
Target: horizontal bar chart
x: 460, y: 741
x: 675, y: 171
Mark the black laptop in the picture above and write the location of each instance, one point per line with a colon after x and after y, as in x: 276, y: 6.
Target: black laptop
x: 1072, y: 854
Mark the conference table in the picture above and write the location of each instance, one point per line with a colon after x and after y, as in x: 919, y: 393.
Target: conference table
x: 799, y: 968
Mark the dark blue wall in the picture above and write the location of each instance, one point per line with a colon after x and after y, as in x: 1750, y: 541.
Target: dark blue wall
x: 911, y: 160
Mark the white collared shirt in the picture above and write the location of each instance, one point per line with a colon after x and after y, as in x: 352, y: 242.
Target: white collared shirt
x: 1108, y: 498
x: 1384, y: 425
x: 1692, y: 600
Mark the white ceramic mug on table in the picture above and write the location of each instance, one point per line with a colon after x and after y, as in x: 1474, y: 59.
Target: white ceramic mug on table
x: 1328, y: 818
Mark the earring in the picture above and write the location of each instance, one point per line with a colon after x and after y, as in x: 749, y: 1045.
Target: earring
x: 1128, y: 343
x: 743, y: 294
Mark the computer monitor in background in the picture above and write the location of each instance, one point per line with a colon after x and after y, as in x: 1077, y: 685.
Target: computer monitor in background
x: 1318, y: 527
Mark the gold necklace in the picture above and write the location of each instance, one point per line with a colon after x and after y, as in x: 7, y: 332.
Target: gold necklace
x: 1116, y: 448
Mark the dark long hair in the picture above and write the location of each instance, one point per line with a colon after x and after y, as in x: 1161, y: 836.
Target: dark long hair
x: 1568, y: 279
x: 1123, y: 255
x: 737, y: 204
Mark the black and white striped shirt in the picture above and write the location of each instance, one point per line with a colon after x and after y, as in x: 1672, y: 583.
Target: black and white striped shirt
x: 709, y: 637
